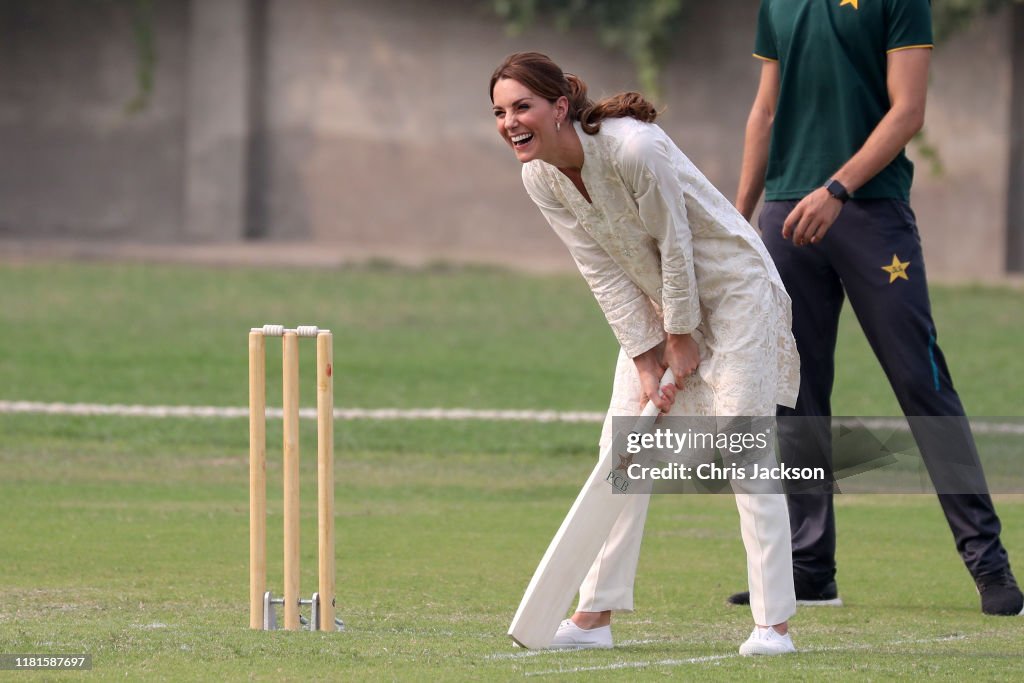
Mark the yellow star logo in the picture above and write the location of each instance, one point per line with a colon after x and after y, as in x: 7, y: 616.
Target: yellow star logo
x: 897, y: 269
x: 849, y: 2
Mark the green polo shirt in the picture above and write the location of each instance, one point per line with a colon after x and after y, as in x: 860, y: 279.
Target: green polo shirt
x: 832, y: 66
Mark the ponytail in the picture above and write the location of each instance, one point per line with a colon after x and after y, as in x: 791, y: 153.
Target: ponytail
x: 579, y: 103
x: 631, y: 104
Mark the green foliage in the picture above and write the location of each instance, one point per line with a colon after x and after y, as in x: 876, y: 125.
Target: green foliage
x: 929, y: 153
x: 642, y: 30
x: 950, y: 16
x: 143, y: 22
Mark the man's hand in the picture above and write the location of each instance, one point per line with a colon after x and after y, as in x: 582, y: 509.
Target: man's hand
x: 811, y: 218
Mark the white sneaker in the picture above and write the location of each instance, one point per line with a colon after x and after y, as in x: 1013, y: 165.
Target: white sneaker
x: 765, y: 641
x: 571, y: 636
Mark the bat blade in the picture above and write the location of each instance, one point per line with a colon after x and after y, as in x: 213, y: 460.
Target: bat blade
x: 567, y: 560
x: 573, y: 549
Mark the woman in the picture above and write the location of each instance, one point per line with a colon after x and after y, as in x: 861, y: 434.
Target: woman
x: 684, y: 283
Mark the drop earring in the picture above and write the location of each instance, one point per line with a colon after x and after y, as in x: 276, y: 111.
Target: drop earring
x: 558, y: 126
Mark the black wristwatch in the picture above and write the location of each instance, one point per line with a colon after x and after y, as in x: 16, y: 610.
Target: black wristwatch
x: 836, y: 189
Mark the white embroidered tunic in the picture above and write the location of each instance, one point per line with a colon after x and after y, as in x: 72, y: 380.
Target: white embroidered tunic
x: 664, y: 251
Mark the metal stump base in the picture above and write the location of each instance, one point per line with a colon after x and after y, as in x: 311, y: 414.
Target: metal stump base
x: 311, y: 624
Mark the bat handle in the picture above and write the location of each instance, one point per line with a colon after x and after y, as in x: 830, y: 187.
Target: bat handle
x: 650, y: 412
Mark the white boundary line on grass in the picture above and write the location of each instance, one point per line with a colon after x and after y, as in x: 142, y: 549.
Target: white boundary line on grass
x: 445, y: 414
x: 714, y: 658
x: 521, y: 653
x: 120, y: 410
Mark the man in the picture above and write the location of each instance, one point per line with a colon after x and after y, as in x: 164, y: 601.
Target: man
x: 842, y: 91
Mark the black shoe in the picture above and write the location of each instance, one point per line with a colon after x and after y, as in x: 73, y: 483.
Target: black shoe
x: 809, y: 596
x: 1000, y: 595
x: 741, y: 598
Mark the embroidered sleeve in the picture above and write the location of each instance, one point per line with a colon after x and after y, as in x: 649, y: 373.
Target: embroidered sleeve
x: 658, y: 185
x: 629, y: 312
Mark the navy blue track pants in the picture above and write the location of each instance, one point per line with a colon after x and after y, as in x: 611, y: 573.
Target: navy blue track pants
x: 871, y: 255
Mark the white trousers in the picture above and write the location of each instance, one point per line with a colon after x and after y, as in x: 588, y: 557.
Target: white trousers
x: 764, y: 520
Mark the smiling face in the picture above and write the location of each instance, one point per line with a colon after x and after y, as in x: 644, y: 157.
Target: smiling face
x: 526, y: 121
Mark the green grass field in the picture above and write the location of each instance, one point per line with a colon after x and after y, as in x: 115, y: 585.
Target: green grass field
x: 126, y: 538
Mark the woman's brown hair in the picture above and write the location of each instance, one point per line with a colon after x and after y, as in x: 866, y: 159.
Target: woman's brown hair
x: 542, y: 76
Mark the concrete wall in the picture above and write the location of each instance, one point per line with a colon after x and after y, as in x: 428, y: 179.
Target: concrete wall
x: 962, y: 211
x: 364, y: 125
x: 383, y: 126
x: 73, y: 162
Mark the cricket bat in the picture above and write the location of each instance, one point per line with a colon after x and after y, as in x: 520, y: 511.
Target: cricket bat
x: 574, y: 548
